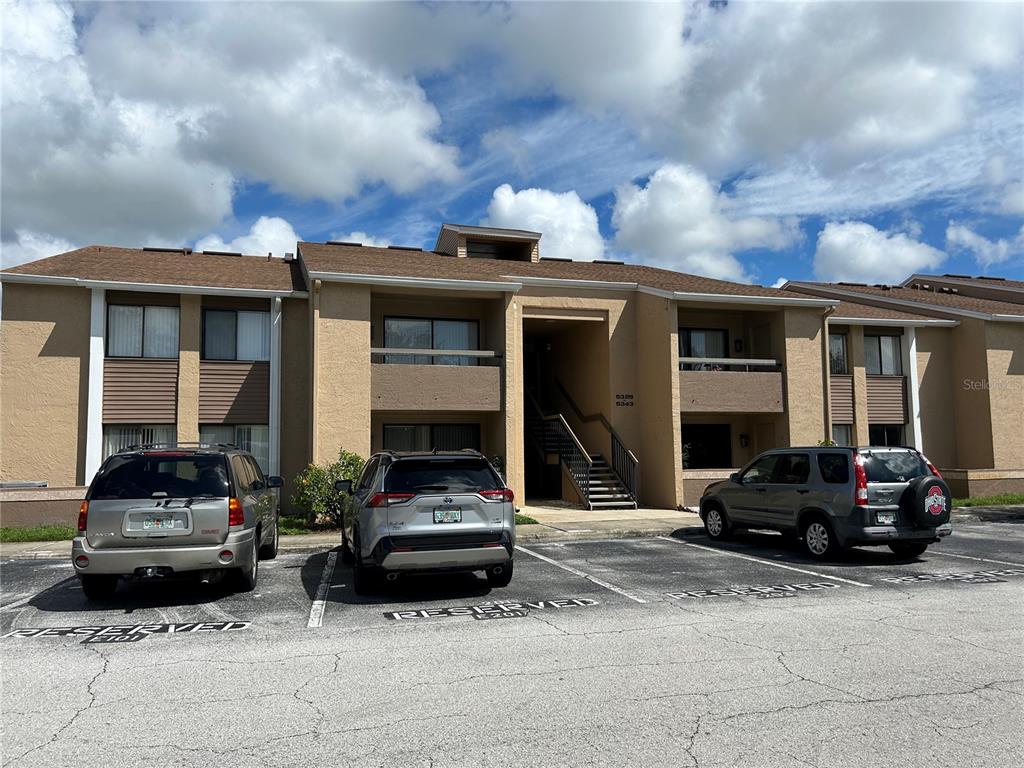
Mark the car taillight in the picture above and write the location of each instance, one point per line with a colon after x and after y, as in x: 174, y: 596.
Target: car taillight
x: 236, y: 515
x: 503, y: 494
x: 931, y: 467
x: 387, y: 499
x: 860, y: 493
x: 83, y: 516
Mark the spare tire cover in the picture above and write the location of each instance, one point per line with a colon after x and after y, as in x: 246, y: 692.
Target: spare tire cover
x: 927, y: 501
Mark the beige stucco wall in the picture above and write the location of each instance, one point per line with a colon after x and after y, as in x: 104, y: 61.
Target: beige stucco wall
x: 342, y: 371
x: 44, y: 369
x: 410, y: 387
x: 190, y: 340
x: 972, y: 415
x: 935, y: 389
x: 1005, y: 346
x: 802, y: 365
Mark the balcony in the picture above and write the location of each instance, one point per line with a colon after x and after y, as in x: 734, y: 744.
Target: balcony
x: 432, y: 383
x: 730, y: 385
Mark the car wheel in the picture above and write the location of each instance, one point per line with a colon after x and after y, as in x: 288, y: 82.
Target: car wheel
x: 269, y: 551
x: 819, y: 539
x: 908, y: 549
x: 246, y: 577
x: 347, y: 556
x: 99, y: 587
x: 500, y: 575
x: 716, y: 524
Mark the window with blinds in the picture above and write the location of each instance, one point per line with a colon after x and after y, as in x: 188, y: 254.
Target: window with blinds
x: 427, y: 437
x: 883, y: 355
x: 837, y: 360
x: 423, y: 333
x: 142, y: 331
x: 118, y: 437
x: 254, y: 438
x: 236, y: 335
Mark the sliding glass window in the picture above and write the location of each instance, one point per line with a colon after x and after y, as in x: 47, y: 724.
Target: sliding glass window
x: 236, y: 335
x: 703, y: 342
x: 427, y: 437
x: 837, y: 361
x: 137, y: 331
x: 883, y: 356
x: 422, y: 333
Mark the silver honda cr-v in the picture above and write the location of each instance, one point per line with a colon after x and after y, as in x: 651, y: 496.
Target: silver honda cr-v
x: 428, y: 512
x: 835, y: 497
x: 158, y: 510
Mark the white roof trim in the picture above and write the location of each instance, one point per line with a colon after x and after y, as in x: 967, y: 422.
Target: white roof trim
x: 889, y: 321
x: 977, y: 282
x: 566, y: 282
x: 414, y: 282
x: 942, y: 309
x: 725, y: 298
x: 117, y: 285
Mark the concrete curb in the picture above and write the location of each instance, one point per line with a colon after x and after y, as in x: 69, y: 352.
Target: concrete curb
x: 1007, y: 514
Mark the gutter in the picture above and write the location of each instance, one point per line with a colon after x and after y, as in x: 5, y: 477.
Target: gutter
x: 115, y: 285
x: 415, y: 282
x: 890, y: 321
x: 726, y: 298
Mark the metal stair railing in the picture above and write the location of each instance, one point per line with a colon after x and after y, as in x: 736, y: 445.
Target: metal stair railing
x: 560, y: 439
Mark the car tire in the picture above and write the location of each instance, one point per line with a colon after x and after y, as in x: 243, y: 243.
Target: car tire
x: 908, y: 549
x: 347, y: 556
x: 716, y: 522
x: 502, y: 579
x: 819, y: 538
x: 99, y: 587
x: 246, y: 578
x: 269, y: 551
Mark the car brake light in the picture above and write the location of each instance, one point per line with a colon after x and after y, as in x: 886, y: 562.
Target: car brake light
x: 387, y: 499
x: 860, y: 493
x: 503, y: 494
x: 931, y: 467
x: 83, y: 516
x: 236, y: 515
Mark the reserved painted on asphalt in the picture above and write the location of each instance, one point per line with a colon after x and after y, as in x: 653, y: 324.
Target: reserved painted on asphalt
x: 761, y: 593
x: 971, y: 577
x: 492, y: 610
x: 129, y: 633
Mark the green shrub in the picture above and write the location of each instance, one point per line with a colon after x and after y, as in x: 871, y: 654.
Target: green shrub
x: 323, y: 506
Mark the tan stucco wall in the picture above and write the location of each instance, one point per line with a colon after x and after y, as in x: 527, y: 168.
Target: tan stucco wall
x: 802, y: 364
x: 731, y: 391
x: 435, y: 387
x: 190, y: 340
x: 44, y: 369
x: 973, y: 418
x: 295, y: 393
x: 1005, y: 345
x: 935, y: 389
x: 342, y: 371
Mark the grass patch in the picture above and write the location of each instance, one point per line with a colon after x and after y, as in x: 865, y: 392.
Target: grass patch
x: 1002, y: 500
x: 10, y: 533
x: 524, y: 520
x: 297, y: 526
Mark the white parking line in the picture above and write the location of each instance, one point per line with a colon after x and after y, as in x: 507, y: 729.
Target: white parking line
x: 940, y: 553
x: 16, y: 603
x: 764, y: 562
x: 580, y: 573
x: 316, y: 611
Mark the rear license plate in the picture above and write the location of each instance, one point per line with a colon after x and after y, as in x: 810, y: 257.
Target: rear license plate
x: 885, y: 518
x: 451, y: 515
x: 160, y: 524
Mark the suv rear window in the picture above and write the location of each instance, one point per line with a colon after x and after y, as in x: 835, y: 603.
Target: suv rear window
x: 894, y: 466
x: 139, y: 476
x: 441, y: 475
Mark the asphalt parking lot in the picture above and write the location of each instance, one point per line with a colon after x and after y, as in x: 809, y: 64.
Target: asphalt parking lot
x: 657, y: 651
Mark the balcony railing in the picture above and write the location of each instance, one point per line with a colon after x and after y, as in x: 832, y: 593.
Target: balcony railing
x: 402, y: 356
x: 728, y: 364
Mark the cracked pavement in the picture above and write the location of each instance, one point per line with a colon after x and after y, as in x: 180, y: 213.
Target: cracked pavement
x: 906, y: 674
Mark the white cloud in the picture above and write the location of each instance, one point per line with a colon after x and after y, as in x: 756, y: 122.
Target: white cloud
x: 28, y: 246
x: 569, y: 225
x: 986, y: 252
x: 1012, y: 201
x: 361, y: 237
x: 269, y: 234
x: 854, y: 251
x: 680, y: 220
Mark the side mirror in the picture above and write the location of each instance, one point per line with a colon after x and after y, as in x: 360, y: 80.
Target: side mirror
x: 273, y: 481
x: 343, y: 486
x: 735, y: 477
x: 257, y: 485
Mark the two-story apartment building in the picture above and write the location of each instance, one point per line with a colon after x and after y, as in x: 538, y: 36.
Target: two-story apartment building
x: 601, y: 383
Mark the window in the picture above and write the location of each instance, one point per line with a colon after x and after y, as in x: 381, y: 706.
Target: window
x: 366, y: 479
x: 696, y: 342
x: 140, y: 476
x: 834, y: 468
x: 117, y: 437
x: 707, y: 446
x: 792, y: 469
x: 761, y: 471
x: 837, y: 363
x: 496, y: 249
x: 427, y: 437
x: 236, y: 335
x: 894, y: 466
x: 882, y: 355
x: 885, y: 434
x: 421, y: 333
x: 137, y: 331
x: 254, y: 438
x: 842, y: 434
x: 448, y: 476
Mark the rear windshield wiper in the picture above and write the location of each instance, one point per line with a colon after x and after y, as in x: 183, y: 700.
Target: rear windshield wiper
x: 430, y: 487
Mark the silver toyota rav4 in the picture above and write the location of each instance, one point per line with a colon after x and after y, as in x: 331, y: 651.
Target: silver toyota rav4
x: 157, y: 510
x: 835, y: 497
x: 428, y: 512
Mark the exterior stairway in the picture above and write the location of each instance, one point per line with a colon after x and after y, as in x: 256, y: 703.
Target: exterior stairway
x: 606, y: 490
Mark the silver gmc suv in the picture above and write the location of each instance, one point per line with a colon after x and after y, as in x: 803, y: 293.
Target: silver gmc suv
x: 157, y: 510
x: 428, y: 512
x: 835, y: 497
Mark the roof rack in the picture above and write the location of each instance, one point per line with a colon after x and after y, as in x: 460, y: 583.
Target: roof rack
x: 344, y: 242
x: 166, y: 250
x: 221, y: 253
x: 404, y: 248
x: 175, y: 444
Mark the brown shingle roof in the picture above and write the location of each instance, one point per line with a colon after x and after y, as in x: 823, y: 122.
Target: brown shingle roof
x: 939, y: 301
x: 135, y: 265
x: 364, y: 260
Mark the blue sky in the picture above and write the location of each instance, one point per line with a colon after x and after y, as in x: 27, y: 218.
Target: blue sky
x: 751, y: 142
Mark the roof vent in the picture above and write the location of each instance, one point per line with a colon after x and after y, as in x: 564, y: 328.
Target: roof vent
x: 960, y: 277
x: 221, y: 253
x: 554, y: 258
x: 860, y: 285
x: 986, y: 277
x: 343, y: 242
x: 289, y: 257
x: 403, y: 248
x: 155, y: 249
x: 607, y: 261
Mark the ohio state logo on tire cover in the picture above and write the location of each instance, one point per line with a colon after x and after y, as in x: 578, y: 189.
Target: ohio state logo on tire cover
x: 935, y: 501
